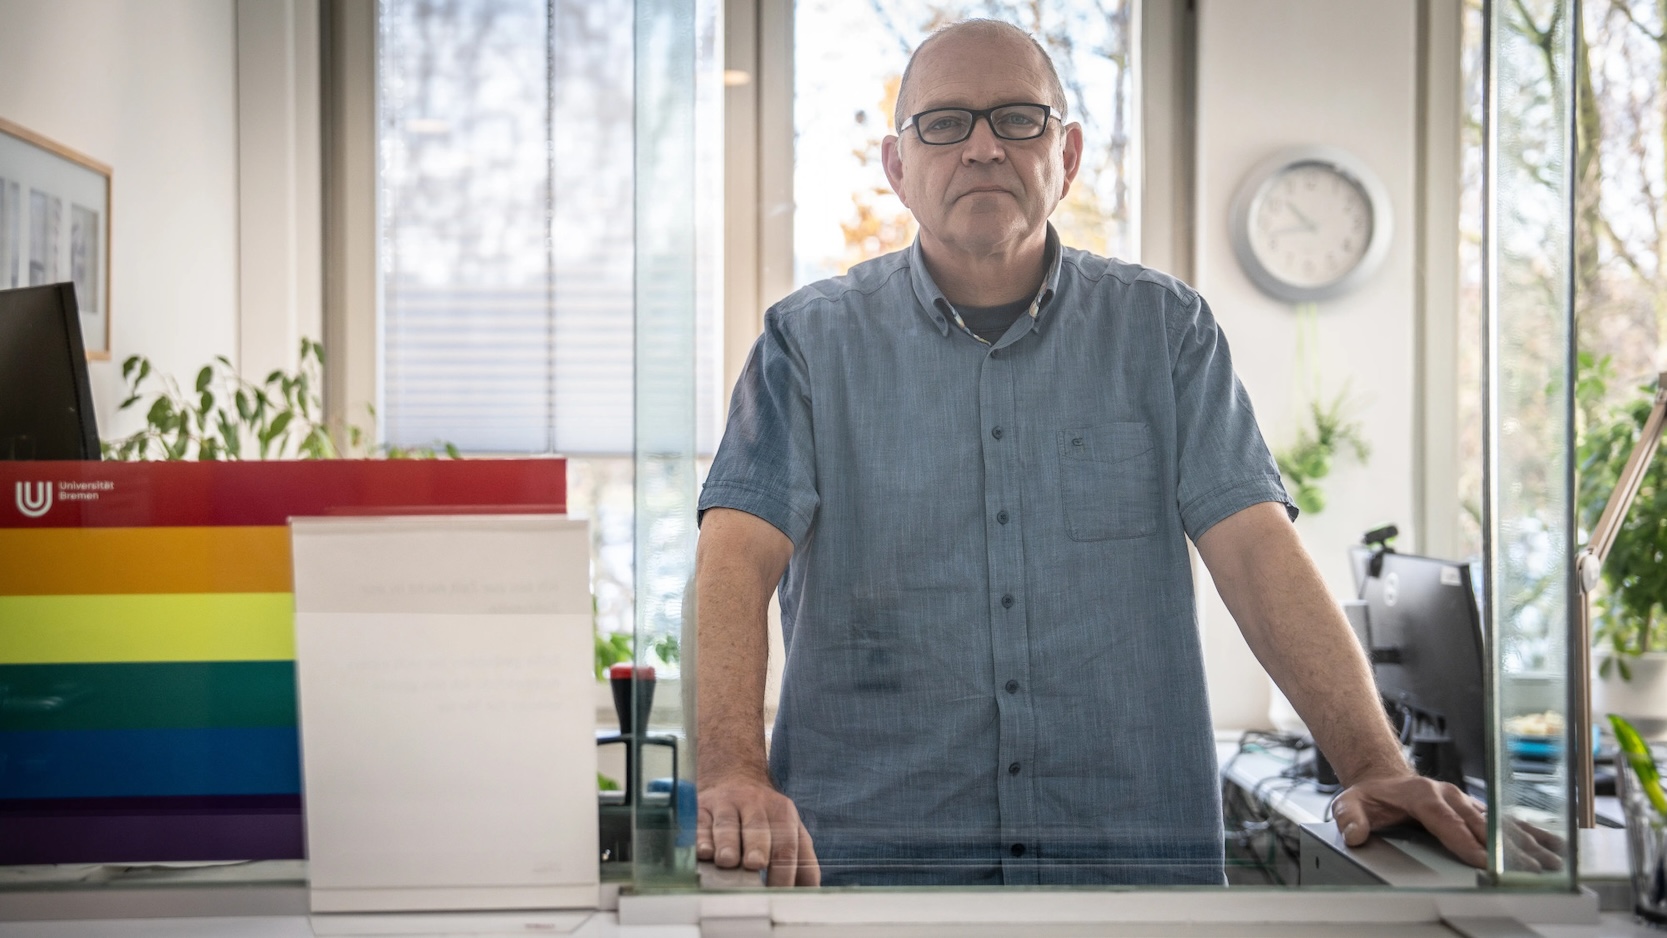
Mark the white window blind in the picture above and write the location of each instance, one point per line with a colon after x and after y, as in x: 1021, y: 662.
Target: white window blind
x: 505, y: 241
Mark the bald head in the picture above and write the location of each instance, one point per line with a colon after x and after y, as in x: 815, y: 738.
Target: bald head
x: 1022, y: 43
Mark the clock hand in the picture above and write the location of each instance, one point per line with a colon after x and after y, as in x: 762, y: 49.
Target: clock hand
x: 1304, y: 218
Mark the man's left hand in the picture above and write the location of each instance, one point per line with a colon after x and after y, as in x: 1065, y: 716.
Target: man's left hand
x: 1456, y: 819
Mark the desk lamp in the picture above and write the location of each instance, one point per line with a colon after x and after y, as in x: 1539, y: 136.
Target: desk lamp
x: 1588, y: 563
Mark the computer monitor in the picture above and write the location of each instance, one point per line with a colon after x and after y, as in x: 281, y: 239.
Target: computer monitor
x: 46, y: 404
x: 1426, y: 645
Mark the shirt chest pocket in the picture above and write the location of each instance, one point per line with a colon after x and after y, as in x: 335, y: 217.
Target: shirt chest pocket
x: 1108, y: 476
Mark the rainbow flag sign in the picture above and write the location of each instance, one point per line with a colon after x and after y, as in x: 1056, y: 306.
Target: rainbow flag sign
x: 147, y: 651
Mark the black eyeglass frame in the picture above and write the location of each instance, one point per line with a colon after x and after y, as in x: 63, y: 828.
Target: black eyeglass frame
x: 987, y: 114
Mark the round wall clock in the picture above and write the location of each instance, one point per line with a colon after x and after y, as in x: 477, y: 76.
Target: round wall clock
x: 1310, y: 224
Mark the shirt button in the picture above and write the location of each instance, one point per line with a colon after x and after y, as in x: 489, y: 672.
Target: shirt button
x: 1012, y: 687
x: 1001, y: 517
x: 995, y: 353
x: 1007, y: 601
x: 1018, y: 850
x: 1013, y: 769
x: 996, y: 433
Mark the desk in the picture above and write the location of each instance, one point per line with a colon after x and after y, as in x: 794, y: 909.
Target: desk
x: 1409, y: 858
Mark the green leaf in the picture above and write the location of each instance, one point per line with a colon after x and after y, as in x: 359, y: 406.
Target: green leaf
x: 204, y: 377
x: 160, y: 412
x: 279, y: 424
x: 1642, y: 761
x: 245, y: 409
x: 604, y: 783
x: 128, y: 365
x: 315, y: 444
x: 666, y: 646
x: 1309, y: 498
x: 144, y: 369
x: 611, y: 648
x: 274, y: 377
x: 205, y: 402
x: 128, y: 403
x: 452, y: 451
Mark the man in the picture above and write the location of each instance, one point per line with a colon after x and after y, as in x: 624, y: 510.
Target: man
x: 978, y: 462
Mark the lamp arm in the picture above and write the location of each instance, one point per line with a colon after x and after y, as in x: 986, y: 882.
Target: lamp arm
x: 1626, y: 489
x: 1587, y: 564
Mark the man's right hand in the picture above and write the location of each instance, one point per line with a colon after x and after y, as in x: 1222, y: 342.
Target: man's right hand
x: 746, y: 822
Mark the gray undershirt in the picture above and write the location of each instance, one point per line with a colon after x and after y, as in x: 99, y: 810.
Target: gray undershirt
x: 990, y: 323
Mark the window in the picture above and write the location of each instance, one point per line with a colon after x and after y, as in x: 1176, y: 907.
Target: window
x: 505, y: 227
x: 505, y: 245
x: 1620, y: 291
x: 845, y: 92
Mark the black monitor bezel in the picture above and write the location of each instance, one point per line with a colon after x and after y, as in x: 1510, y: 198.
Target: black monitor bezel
x: 70, y: 316
x: 1467, y: 725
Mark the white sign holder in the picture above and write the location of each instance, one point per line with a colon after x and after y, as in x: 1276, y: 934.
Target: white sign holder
x: 444, y: 672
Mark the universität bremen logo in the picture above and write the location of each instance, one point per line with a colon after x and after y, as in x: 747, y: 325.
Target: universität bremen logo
x: 34, y: 498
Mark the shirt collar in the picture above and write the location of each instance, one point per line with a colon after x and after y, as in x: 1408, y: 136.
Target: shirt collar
x: 936, y: 308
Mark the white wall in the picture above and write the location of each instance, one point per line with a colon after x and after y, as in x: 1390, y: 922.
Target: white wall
x: 1274, y: 74
x: 281, y: 260
x: 148, y: 87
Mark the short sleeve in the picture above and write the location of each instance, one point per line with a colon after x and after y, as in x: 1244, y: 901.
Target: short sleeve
x: 766, y: 464
x: 1223, y: 461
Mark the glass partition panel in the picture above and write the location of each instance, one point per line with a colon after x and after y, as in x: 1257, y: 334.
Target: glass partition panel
x: 951, y: 711
x: 675, y: 207
x: 1528, y: 526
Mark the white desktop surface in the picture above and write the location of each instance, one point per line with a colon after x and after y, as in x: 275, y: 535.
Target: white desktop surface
x: 606, y: 925
x: 573, y: 925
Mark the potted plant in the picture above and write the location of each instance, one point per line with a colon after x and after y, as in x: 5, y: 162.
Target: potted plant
x: 1629, y: 608
x: 228, y: 417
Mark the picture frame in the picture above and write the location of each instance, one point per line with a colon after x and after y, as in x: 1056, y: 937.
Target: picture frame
x: 55, y: 225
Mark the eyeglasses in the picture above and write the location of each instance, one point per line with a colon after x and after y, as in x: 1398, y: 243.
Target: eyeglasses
x: 946, y: 125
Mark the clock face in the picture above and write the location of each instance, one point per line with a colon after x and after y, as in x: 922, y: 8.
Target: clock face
x: 1310, y: 225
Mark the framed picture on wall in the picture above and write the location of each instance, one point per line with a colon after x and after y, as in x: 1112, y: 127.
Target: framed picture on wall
x: 55, y: 225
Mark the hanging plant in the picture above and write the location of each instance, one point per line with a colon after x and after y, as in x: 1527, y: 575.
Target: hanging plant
x: 1329, y: 434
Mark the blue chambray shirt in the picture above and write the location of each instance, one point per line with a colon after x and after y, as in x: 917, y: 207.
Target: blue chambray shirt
x: 993, y: 672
